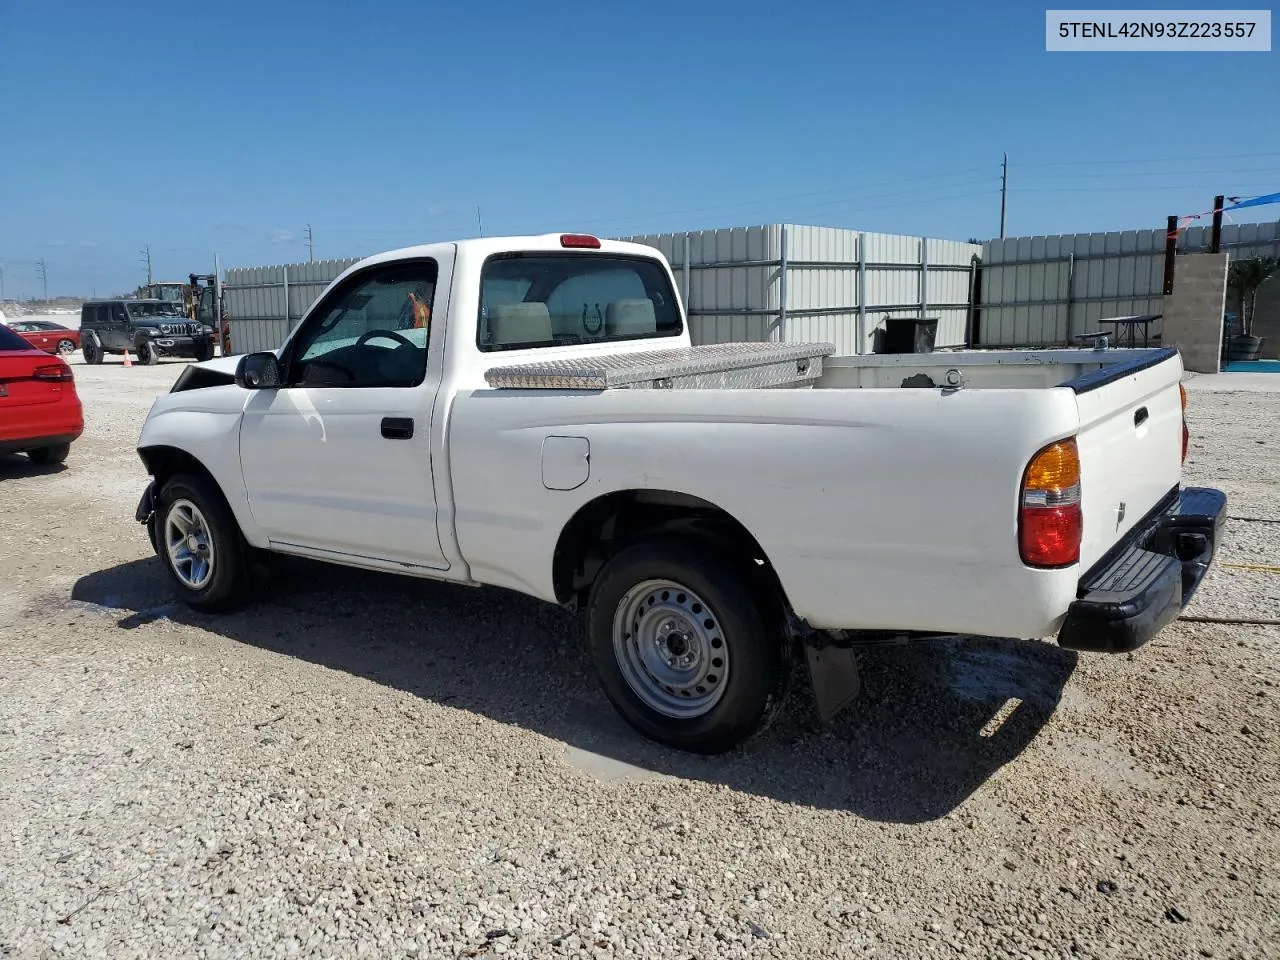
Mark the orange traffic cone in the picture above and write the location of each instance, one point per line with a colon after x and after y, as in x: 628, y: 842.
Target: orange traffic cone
x: 127, y: 361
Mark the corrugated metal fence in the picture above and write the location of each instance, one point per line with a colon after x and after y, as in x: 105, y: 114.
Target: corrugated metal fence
x: 801, y: 283
x: 775, y: 282
x: 1036, y: 291
x: 265, y: 303
x: 804, y: 283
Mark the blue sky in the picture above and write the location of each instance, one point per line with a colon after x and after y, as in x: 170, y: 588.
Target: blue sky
x: 229, y: 127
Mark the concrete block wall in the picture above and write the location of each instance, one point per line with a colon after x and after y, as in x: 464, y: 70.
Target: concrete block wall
x: 1193, y: 312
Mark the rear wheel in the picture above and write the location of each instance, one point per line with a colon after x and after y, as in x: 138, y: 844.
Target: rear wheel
x: 200, y: 544
x: 684, y: 653
x: 49, y: 455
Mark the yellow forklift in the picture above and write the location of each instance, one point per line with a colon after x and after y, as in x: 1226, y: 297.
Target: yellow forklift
x: 201, y: 300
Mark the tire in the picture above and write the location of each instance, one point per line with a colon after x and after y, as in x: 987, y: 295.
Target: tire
x: 147, y: 354
x: 204, y: 352
x: 49, y: 455
x: 66, y: 347
x: 91, y: 349
x: 725, y: 660
x: 225, y: 585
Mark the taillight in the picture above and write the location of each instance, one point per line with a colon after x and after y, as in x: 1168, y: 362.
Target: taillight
x: 1186, y: 434
x: 1050, y: 523
x: 53, y: 373
x: 579, y: 240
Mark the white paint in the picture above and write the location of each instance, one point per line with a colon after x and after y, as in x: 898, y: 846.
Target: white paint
x: 878, y: 506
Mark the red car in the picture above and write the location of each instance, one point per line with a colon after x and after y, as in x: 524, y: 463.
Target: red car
x: 40, y: 412
x: 46, y: 335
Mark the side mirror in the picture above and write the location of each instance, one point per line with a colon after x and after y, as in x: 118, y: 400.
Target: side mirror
x: 258, y: 371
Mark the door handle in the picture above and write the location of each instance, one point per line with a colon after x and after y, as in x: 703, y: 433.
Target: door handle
x: 1140, y: 416
x: 397, y: 428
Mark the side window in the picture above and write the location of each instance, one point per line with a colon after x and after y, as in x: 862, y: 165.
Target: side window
x: 104, y: 313
x: 370, y: 332
x: 117, y: 313
x: 86, y: 314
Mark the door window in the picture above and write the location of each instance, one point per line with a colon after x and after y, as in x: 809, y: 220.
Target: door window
x: 370, y: 332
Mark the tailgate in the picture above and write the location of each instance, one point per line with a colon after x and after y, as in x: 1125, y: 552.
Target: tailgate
x: 1130, y: 443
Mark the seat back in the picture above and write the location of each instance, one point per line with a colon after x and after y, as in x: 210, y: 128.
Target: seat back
x: 630, y: 318
x: 519, y: 323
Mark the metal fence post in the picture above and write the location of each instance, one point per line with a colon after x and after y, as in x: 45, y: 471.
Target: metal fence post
x: 1071, y: 282
x: 782, y: 287
x: 687, y: 308
x: 862, y: 293
x: 924, y: 277
x: 285, y: 272
x: 968, y: 317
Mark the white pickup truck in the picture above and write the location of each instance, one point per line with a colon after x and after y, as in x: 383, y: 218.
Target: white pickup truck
x: 529, y: 413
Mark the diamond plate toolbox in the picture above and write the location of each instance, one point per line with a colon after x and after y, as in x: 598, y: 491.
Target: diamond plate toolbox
x: 737, y: 366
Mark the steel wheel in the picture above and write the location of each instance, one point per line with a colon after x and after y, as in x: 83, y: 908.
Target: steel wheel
x: 65, y: 346
x: 670, y: 648
x: 188, y: 544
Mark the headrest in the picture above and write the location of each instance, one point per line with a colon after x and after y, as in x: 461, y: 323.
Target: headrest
x: 520, y: 323
x: 629, y: 317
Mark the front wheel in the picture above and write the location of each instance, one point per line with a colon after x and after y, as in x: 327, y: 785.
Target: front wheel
x: 147, y: 353
x: 92, y: 349
x: 683, y: 652
x: 200, y: 544
x: 66, y: 347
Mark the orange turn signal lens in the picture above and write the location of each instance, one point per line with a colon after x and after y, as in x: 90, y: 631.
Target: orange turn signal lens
x: 1056, y: 467
x: 1183, y: 391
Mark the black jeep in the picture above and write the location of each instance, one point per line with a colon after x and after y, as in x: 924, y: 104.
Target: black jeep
x: 151, y: 329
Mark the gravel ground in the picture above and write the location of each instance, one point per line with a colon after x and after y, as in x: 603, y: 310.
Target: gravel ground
x: 369, y: 766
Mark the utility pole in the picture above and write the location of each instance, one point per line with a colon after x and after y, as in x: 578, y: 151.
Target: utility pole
x: 479, y: 223
x: 146, y: 258
x: 44, y: 279
x: 1004, y: 190
x: 1, y: 283
x: 311, y: 245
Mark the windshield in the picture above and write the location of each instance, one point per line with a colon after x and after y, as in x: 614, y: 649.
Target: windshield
x: 553, y: 299
x: 154, y: 308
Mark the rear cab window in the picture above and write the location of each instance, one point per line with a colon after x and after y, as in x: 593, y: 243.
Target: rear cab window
x: 550, y: 299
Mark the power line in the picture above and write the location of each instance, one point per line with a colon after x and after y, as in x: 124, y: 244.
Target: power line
x: 1217, y: 173
x: 1127, y: 189
x: 1088, y: 163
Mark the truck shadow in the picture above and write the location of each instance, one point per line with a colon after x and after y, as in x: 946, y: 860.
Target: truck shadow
x: 933, y: 722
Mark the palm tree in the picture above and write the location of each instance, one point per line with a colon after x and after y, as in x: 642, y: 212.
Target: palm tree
x: 1244, y: 277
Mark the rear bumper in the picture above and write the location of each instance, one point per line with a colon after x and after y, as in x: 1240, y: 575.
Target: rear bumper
x: 35, y: 443
x: 1145, y: 582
